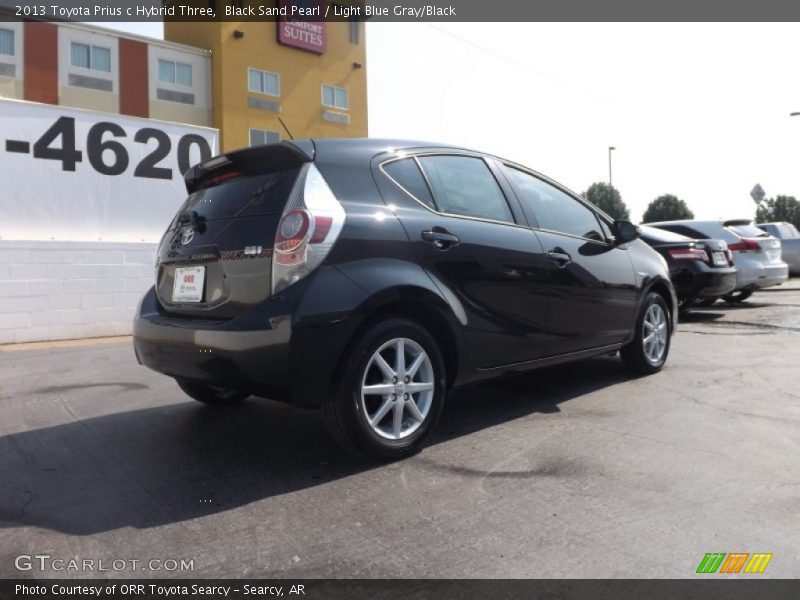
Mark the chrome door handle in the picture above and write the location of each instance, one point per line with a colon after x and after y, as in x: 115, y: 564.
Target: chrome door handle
x: 441, y: 239
x: 562, y: 259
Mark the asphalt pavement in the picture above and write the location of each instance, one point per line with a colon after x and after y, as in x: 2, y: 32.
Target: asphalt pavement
x: 575, y: 471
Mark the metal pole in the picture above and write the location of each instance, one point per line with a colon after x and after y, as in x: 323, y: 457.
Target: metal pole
x: 610, y: 148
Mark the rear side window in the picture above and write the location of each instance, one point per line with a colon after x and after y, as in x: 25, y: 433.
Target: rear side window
x: 789, y: 231
x: 684, y: 230
x: 464, y: 185
x: 660, y: 235
x: 406, y: 173
x: 231, y: 194
x: 750, y: 231
x: 553, y: 209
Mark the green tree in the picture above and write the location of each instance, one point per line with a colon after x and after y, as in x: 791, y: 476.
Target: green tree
x: 667, y: 208
x: 781, y: 208
x: 606, y: 197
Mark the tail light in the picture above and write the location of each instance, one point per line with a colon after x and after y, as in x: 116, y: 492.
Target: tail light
x: 310, y: 224
x: 744, y: 245
x: 689, y: 254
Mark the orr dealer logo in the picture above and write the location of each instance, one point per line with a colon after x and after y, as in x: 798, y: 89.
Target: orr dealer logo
x: 735, y: 562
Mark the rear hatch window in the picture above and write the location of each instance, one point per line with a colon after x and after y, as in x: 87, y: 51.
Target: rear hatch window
x: 216, y: 258
x: 231, y: 194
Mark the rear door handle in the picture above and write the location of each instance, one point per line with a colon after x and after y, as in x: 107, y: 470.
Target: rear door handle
x: 558, y: 256
x: 441, y: 239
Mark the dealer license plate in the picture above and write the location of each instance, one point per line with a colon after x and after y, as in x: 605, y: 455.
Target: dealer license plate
x: 188, y: 286
x: 720, y: 259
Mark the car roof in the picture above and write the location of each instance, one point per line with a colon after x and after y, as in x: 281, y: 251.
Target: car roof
x: 360, y: 148
x: 721, y: 222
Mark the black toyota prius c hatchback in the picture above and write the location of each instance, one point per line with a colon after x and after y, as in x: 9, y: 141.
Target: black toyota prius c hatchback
x: 371, y: 277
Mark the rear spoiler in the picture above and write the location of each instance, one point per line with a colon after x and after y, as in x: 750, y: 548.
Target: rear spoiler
x: 737, y: 222
x: 277, y: 157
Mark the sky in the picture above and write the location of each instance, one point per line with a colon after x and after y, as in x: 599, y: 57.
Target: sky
x: 699, y: 110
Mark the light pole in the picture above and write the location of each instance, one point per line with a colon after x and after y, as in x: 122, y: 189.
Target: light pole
x: 610, y: 148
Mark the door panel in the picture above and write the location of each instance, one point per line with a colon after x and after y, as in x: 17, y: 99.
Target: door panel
x: 494, y: 268
x: 497, y: 272
x: 591, y: 283
x: 592, y: 293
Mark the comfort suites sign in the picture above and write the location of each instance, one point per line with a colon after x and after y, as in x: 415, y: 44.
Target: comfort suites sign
x: 298, y: 31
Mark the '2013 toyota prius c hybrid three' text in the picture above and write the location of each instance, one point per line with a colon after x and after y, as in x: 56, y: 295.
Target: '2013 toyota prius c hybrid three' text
x: 370, y: 277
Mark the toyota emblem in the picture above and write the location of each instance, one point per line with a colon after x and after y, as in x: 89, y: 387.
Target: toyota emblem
x: 188, y: 236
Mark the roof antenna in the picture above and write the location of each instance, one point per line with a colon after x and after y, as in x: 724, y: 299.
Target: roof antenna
x: 291, y: 137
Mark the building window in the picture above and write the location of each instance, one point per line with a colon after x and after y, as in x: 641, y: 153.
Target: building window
x: 335, y: 96
x: 177, y: 73
x: 7, y: 42
x: 264, y: 82
x: 259, y: 137
x: 354, y: 31
x: 91, y: 57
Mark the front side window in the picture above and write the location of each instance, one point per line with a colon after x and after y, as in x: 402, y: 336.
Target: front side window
x: 176, y: 73
x: 7, y: 42
x: 464, y: 185
x: 553, y: 209
x: 335, y: 96
x: 264, y: 82
x: 87, y: 56
x: 259, y: 137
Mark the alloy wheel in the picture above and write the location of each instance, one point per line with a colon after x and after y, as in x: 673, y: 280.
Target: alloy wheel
x: 655, y: 333
x: 397, y: 388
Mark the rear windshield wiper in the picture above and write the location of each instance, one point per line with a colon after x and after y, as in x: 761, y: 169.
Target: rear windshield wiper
x: 191, y: 216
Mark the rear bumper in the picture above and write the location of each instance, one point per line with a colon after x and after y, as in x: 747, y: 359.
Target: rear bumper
x: 214, y: 352
x: 702, y: 281
x: 285, y: 348
x: 761, y: 276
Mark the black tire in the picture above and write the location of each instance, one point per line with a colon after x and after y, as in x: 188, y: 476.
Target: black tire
x: 345, y: 414
x: 213, y: 395
x: 705, y: 301
x: 633, y: 355
x: 686, y: 303
x: 738, y: 296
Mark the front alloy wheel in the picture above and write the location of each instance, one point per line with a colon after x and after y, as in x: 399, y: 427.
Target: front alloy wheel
x: 647, y: 352
x: 389, y: 391
x: 655, y: 334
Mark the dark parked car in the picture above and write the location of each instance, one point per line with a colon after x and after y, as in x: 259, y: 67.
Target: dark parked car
x: 370, y: 277
x: 756, y: 254
x: 698, y: 268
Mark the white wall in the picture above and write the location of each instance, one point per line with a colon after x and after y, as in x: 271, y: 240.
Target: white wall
x: 70, y: 290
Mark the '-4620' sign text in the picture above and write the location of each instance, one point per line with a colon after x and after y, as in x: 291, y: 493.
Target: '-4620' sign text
x: 107, y: 153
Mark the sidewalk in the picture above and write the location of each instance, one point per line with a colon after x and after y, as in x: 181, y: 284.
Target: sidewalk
x: 65, y: 343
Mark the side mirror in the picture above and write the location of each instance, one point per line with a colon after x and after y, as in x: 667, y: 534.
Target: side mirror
x: 624, y: 232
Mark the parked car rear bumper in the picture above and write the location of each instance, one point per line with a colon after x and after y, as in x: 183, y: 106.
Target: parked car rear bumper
x: 715, y: 284
x: 759, y: 276
x: 702, y: 281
